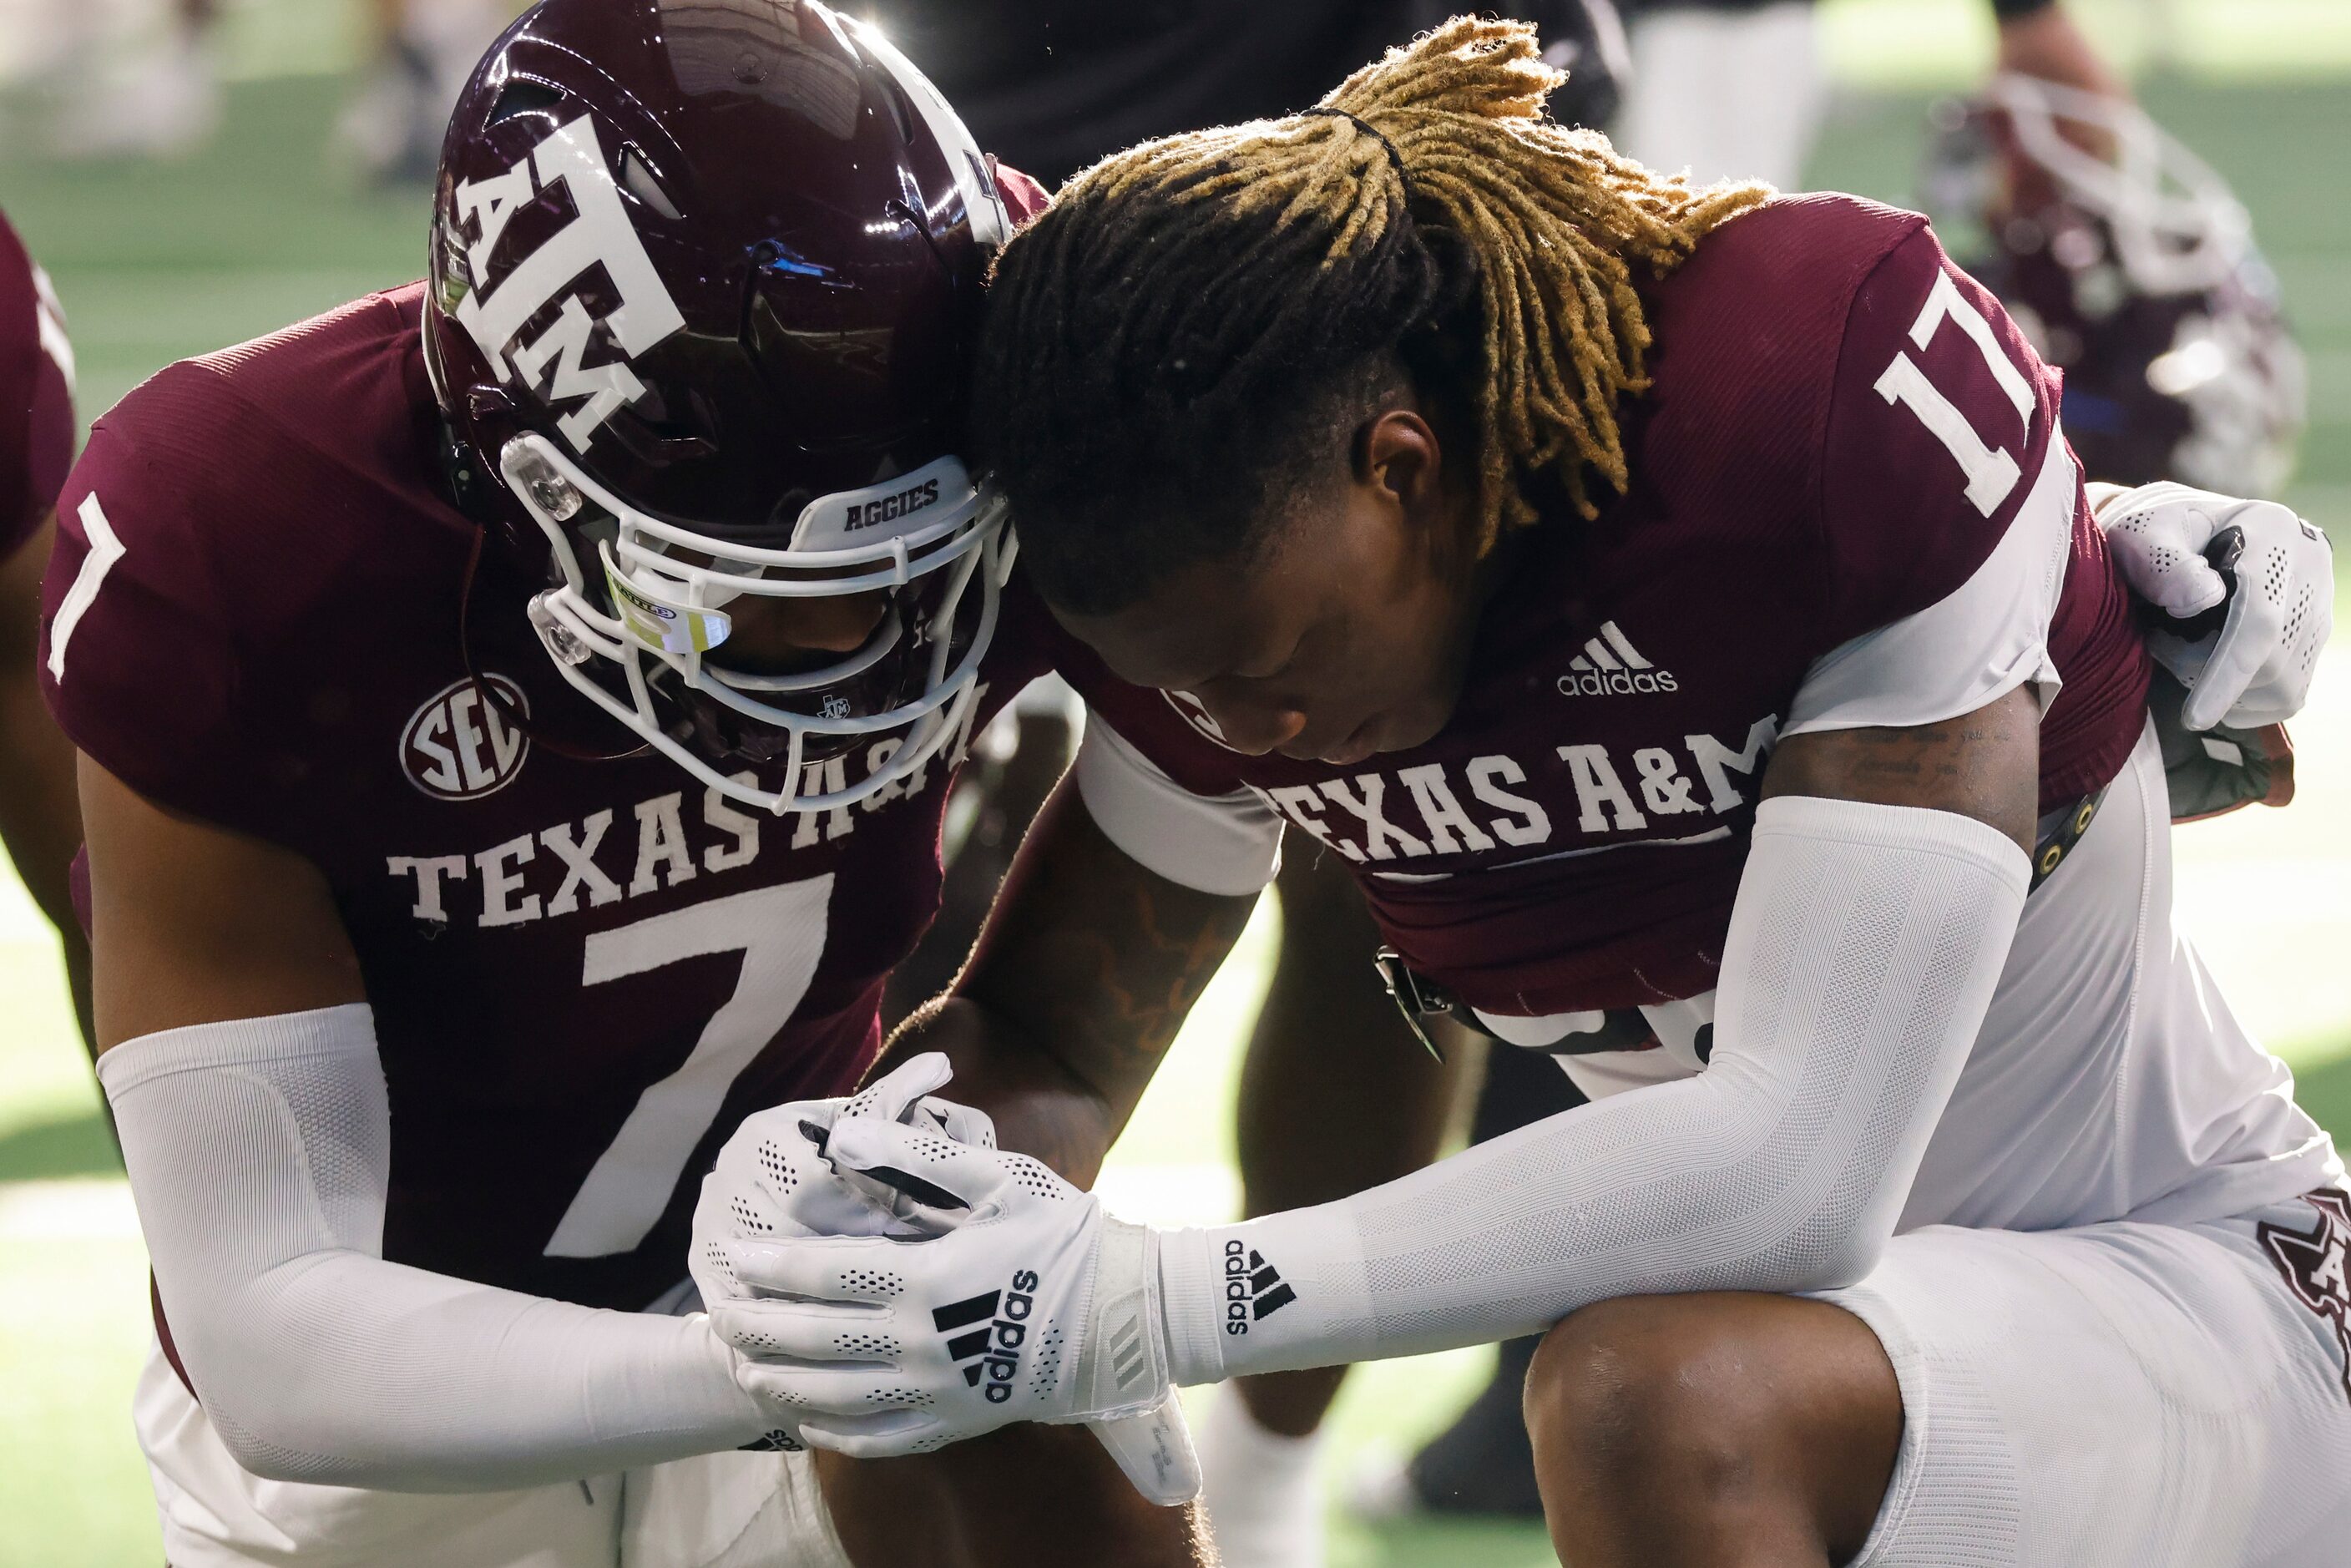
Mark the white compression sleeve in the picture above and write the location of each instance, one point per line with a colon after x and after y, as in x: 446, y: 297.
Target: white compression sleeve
x: 1864, y: 950
x: 259, y: 1152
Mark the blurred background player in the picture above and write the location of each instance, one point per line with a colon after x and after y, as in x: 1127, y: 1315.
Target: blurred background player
x: 1050, y: 85
x: 133, y: 79
x: 1734, y: 89
x: 2131, y: 265
x: 419, y: 53
x: 40, y: 820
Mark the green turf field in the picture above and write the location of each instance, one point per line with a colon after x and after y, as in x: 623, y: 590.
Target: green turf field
x: 156, y: 262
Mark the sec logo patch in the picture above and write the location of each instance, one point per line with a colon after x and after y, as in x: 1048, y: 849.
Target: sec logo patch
x: 459, y: 745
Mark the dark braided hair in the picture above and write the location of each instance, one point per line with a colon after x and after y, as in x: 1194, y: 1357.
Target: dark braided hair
x: 1199, y: 320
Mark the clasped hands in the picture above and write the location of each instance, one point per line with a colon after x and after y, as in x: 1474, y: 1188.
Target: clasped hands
x: 893, y: 1282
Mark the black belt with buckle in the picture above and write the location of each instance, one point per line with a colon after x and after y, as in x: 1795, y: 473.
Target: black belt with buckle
x: 1419, y: 998
x: 2059, y: 841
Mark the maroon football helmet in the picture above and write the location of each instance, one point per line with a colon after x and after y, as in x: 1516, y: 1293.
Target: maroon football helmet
x: 705, y: 276
x: 2135, y: 274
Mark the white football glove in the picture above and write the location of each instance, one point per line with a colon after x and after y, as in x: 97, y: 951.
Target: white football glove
x: 775, y: 1185
x: 734, y: 1196
x: 988, y: 1291
x: 2256, y: 670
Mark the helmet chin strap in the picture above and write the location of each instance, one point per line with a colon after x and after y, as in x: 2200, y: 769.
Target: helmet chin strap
x: 466, y: 486
x: 473, y: 495
x: 489, y: 692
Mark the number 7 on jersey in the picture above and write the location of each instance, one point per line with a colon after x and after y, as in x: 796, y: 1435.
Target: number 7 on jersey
x: 780, y: 933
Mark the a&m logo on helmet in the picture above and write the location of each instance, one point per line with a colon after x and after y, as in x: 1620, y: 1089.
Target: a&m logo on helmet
x: 460, y: 745
x: 599, y: 234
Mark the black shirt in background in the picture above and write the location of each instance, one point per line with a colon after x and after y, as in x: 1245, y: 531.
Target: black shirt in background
x: 1049, y: 86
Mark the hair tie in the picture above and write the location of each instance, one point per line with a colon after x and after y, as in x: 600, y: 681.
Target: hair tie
x: 1395, y: 158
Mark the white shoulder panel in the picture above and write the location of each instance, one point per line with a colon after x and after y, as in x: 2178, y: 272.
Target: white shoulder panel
x: 1986, y: 638
x: 1228, y: 844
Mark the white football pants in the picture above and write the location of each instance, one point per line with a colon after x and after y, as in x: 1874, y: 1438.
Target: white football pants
x: 719, y: 1511
x: 2131, y: 1395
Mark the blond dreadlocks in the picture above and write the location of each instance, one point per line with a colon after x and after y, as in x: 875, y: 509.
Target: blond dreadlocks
x: 1193, y: 313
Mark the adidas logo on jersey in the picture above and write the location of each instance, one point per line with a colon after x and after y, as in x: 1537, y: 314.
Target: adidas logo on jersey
x: 988, y: 1339
x: 1610, y: 666
x: 1254, y: 1289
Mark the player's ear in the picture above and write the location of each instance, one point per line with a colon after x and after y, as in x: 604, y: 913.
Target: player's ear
x: 1397, y: 452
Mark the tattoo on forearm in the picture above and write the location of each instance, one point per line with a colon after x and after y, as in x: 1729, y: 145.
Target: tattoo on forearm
x: 1983, y: 764
x: 1939, y: 753
x: 1130, y: 978
x: 1106, y: 980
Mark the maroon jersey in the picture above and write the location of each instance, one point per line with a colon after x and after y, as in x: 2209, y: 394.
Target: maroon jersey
x: 36, y: 418
x: 1843, y: 427
x: 583, y: 973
